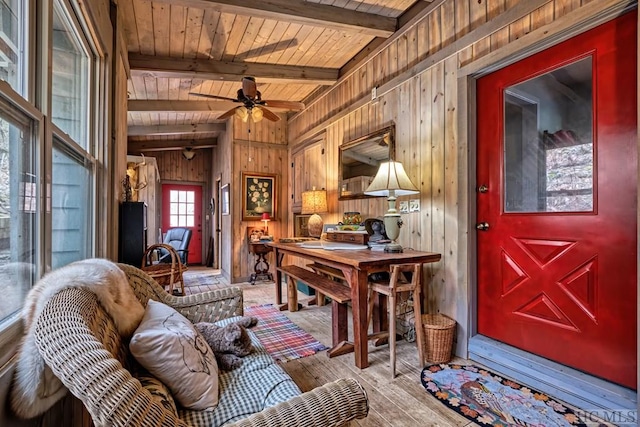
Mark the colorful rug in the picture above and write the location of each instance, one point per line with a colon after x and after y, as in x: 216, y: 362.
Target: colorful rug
x: 202, y: 281
x: 486, y: 398
x: 283, y: 339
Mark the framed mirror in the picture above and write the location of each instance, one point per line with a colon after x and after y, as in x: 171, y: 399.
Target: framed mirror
x: 359, y: 161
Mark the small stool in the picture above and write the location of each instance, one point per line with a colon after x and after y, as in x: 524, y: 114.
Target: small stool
x: 396, y: 285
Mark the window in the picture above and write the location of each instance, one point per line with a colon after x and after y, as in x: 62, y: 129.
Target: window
x: 13, y: 17
x: 17, y: 208
x: 70, y: 208
x: 181, y: 208
x: 70, y: 63
x: 49, y: 168
x: 548, y: 139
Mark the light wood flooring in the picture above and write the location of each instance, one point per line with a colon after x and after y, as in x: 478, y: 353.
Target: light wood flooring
x: 399, y: 402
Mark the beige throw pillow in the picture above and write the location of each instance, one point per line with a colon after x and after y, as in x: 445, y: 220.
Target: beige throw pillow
x: 169, y: 347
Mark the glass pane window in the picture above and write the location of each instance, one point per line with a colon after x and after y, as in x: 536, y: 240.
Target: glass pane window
x: 548, y: 141
x: 70, y: 89
x: 70, y: 210
x: 182, y: 209
x: 13, y: 30
x: 18, y: 206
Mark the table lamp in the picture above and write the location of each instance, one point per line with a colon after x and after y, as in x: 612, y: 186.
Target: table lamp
x: 391, y: 181
x: 266, y: 218
x: 313, y: 202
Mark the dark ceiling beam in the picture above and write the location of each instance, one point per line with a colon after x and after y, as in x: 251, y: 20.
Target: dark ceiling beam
x: 301, y: 12
x: 187, y: 130
x: 170, y: 144
x: 156, y: 66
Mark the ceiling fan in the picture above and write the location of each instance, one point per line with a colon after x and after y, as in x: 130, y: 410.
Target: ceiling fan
x: 252, y: 103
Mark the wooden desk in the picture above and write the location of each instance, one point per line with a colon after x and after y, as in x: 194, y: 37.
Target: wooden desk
x: 356, y: 265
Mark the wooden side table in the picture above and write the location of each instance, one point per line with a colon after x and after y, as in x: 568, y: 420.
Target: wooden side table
x: 261, y: 267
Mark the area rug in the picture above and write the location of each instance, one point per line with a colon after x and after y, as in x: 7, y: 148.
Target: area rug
x: 202, y: 281
x: 486, y: 398
x: 283, y: 339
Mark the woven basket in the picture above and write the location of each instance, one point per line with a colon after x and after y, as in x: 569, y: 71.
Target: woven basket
x: 166, y: 274
x: 438, y: 333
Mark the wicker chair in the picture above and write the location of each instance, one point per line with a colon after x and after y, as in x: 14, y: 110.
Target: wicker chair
x: 78, y: 341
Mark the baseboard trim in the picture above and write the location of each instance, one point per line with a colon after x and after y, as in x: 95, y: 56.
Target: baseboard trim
x: 574, y: 387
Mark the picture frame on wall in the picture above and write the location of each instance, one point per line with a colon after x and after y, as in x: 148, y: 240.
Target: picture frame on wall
x: 259, y: 195
x: 225, y: 201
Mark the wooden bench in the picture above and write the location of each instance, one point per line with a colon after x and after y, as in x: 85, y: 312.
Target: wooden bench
x: 330, y: 272
x: 340, y: 295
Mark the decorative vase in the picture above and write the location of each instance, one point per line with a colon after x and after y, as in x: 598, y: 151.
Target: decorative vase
x: 259, y: 209
x: 351, y: 218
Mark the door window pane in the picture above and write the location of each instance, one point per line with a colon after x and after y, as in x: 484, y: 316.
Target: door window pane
x: 13, y: 19
x: 70, y: 210
x: 70, y: 92
x: 18, y: 204
x: 548, y: 140
x: 181, y: 206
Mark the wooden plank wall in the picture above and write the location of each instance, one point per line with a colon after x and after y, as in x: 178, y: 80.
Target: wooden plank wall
x: 174, y: 168
x: 418, y: 74
x: 262, y: 150
x: 222, y: 163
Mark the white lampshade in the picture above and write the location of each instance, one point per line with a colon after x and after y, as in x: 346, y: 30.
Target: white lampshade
x: 391, y: 176
x: 391, y: 181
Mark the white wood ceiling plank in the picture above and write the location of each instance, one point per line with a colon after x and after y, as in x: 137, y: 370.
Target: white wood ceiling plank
x: 223, y: 32
x: 210, y: 22
x: 177, y: 29
x: 128, y: 16
x: 193, y: 30
x: 235, y: 37
x: 248, y: 38
x: 161, y: 14
x: 144, y: 25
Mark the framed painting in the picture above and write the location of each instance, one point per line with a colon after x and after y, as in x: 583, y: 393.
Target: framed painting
x: 259, y: 195
x: 224, y: 199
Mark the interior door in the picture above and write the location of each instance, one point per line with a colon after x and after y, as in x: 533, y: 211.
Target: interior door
x: 182, y: 207
x: 556, y: 203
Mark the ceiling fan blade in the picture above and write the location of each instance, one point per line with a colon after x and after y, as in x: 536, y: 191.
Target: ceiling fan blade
x: 249, y: 87
x: 269, y: 115
x: 289, y: 105
x: 227, y: 114
x: 205, y: 95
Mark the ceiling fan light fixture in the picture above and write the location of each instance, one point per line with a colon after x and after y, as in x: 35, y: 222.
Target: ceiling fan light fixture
x: 256, y: 114
x: 188, y: 153
x: 242, y: 113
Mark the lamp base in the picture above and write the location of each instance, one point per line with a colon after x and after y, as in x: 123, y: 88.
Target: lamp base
x: 314, y: 225
x: 393, y: 247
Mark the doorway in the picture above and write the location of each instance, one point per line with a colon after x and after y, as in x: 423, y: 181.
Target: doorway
x: 182, y: 207
x: 557, y: 203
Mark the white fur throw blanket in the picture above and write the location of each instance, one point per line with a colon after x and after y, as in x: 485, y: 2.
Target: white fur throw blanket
x: 35, y: 389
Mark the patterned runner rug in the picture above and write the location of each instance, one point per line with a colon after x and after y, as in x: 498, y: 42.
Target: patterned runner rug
x: 486, y: 398
x: 283, y: 339
x: 202, y: 281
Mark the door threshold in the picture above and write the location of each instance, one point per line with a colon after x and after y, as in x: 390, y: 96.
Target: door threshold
x: 574, y: 387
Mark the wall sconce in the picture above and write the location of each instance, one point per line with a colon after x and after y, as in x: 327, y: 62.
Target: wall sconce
x: 391, y: 181
x: 313, y: 202
x: 188, y: 153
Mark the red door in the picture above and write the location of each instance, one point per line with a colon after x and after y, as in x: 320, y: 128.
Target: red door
x: 182, y: 207
x: 556, y: 203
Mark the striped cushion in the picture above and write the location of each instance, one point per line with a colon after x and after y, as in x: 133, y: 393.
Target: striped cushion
x: 257, y: 384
